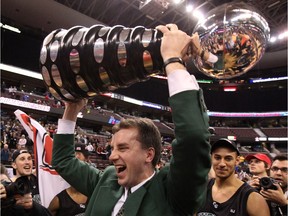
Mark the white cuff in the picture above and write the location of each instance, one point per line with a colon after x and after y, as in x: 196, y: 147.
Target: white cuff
x: 66, y: 126
x: 212, y: 58
x: 181, y: 80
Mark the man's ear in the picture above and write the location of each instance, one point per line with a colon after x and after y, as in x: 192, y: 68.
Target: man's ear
x: 150, y: 154
x: 237, y: 160
x: 13, y: 164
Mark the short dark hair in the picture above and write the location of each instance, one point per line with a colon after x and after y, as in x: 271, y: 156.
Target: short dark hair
x: 148, y: 134
x: 225, y: 143
x: 280, y: 158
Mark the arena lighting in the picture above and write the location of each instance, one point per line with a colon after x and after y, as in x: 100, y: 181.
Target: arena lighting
x: 133, y: 101
x: 260, y: 139
x: 189, y: 8
x: 274, y: 139
x: 11, y: 28
x: 277, y: 138
x: 233, y: 138
x: 272, y: 39
x: 176, y: 1
x: 248, y: 114
x: 21, y: 71
x: 198, y: 14
x: 24, y: 104
x: 165, y: 78
x: 230, y: 89
x: 153, y: 8
x: 204, y: 81
x: 280, y: 36
x: 268, y: 79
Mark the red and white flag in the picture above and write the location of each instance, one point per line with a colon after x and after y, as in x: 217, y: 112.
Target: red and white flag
x: 49, y: 181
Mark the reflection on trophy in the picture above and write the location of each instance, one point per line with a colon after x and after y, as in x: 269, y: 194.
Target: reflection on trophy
x: 237, y: 35
x: 83, y: 62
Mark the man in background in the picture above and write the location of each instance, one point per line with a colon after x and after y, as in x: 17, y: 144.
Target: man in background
x: 259, y: 165
x: 277, y: 196
x: 226, y: 194
x: 5, y: 155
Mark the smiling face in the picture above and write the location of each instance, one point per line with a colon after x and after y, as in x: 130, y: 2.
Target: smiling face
x: 133, y: 164
x: 224, y: 162
x: 23, y: 164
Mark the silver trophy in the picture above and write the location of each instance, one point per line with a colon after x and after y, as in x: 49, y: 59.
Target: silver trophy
x: 84, y: 62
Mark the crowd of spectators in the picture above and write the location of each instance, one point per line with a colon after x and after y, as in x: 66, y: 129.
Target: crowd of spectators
x: 96, y: 107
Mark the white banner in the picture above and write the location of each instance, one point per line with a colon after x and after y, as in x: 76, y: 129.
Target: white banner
x: 49, y: 181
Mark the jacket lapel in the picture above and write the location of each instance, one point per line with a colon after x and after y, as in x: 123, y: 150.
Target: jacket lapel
x: 110, y: 195
x: 133, y: 202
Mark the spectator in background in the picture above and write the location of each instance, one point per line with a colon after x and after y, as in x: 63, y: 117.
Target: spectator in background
x: 259, y: 165
x: 22, y: 141
x: 22, y: 165
x: 83, y: 154
x: 90, y: 147
x: 5, y: 155
x: 277, y: 197
x: 13, y: 140
x: 18, y: 204
x: 3, y: 87
x: 12, y: 91
x: 226, y: 194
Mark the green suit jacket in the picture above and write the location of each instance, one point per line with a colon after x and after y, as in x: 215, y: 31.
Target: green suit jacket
x: 178, y: 189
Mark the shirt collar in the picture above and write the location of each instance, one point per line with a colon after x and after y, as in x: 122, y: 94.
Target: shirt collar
x: 136, y: 187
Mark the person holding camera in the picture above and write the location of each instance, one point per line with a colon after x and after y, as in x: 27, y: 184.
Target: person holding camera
x: 22, y: 164
x: 227, y: 194
x: 276, y: 192
x: 16, y: 197
x: 259, y: 165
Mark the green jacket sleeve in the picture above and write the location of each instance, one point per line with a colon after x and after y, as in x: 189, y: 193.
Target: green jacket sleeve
x: 190, y: 163
x: 82, y: 176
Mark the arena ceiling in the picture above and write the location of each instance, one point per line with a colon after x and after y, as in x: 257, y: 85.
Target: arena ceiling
x: 44, y: 16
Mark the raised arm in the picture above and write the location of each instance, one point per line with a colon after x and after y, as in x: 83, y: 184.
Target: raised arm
x: 190, y: 163
x: 64, y: 160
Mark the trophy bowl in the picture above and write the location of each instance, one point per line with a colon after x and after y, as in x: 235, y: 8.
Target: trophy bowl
x: 237, y: 35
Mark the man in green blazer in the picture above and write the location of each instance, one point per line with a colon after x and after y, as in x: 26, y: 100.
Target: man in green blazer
x: 178, y: 189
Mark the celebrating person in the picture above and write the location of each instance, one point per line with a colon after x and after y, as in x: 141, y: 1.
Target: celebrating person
x: 133, y: 184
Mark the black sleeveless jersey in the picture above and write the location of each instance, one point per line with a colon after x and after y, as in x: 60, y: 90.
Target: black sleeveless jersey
x: 68, y: 207
x: 235, y: 206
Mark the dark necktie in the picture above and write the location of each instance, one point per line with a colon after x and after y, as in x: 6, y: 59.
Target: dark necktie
x: 122, y: 210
